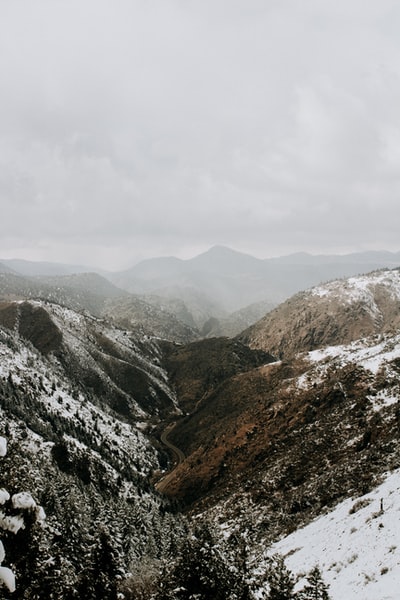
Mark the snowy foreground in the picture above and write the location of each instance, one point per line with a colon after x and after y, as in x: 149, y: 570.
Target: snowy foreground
x: 357, y: 546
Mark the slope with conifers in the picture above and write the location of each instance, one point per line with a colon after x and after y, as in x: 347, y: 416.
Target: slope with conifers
x: 97, y: 296
x: 279, y: 443
x: 276, y: 427
x: 77, y: 396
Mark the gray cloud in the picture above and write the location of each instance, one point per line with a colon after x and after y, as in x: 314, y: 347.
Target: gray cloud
x: 132, y: 128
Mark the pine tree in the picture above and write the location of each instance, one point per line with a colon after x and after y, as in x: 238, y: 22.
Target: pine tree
x: 99, y: 578
x: 203, y: 570
x: 280, y: 580
x: 316, y: 588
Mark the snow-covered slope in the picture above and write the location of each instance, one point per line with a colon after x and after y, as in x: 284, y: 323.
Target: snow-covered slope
x: 357, y: 546
x: 47, y: 396
x: 78, y: 455
x: 120, y: 367
x: 334, y: 313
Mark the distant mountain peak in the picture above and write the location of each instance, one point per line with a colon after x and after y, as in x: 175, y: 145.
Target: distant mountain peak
x: 223, y: 251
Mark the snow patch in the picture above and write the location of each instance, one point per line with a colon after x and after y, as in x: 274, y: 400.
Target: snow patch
x: 23, y: 500
x: 7, y: 578
x: 3, y: 446
x: 4, y: 496
x: 356, y: 546
x: 13, y: 524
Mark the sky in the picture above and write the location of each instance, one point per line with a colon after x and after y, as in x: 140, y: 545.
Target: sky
x: 140, y: 128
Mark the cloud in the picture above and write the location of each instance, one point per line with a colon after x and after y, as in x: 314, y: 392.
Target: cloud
x: 136, y: 128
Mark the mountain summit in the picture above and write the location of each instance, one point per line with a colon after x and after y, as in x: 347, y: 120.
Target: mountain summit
x: 230, y: 280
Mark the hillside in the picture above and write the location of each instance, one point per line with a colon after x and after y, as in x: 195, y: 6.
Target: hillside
x: 356, y: 545
x: 181, y: 464
x: 219, y: 292
x: 273, y: 430
x: 117, y: 366
x: 86, y: 291
x: 152, y: 319
x: 91, y: 293
x: 233, y: 324
x: 335, y: 313
x: 76, y: 448
x: 222, y: 281
x: 268, y: 449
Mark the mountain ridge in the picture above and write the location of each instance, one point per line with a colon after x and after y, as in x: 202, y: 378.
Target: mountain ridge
x: 276, y: 427
x: 222, y: 281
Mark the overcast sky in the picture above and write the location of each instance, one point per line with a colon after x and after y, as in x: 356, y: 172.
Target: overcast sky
x: 138, y: 128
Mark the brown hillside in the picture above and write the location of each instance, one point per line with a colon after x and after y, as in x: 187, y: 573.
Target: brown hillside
x: 264, y: 442
x: 336, y: 313
x: 200, y: 367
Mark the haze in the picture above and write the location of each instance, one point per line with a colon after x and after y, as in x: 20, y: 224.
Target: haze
x: 134, y: 129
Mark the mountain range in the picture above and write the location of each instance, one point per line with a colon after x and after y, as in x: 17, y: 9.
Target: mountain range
x: 171, y: 463
x: 219, y: 292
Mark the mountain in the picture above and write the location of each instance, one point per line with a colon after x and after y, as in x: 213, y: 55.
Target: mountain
x: 5, y: 269
x: 78, y: 509
x: 150, y: 319
x: 274, y: 446
x: 141, y: 466
x: 236, y: 322
x: 86, y: 291
x: 118, y: 366
x: 220, y: 280
x: 225, y: 281
x: 218, y: 283
x: 336, y: 313
x: 90, y: 292
x: 220, y: 259
x: 31, y: 268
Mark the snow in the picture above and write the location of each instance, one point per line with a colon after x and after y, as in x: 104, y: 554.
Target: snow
x: 356, y: 546
x: 359, y: 288
x: 7, y: 577
x: 4, y: 496
x: 367, y: 352
x: 3, y: 446
x: 382, y: 399
x: 23, y: 500
x: 29, y: 369
x: 2, y: 552
x: 40, y: 514
x: 13, y: 524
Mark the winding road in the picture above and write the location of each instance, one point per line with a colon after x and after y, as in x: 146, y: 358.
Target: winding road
x: 177, y: 453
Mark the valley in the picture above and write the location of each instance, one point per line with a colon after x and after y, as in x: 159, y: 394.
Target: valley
x: 148, y: 444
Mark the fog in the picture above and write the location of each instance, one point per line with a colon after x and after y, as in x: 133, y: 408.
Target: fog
x: 135, y: 129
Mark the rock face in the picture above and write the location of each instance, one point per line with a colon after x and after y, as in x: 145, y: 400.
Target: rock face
x: 335, y: 313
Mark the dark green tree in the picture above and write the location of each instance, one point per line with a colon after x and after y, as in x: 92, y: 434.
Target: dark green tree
x: 203, y: 570
x: 280, y: 580
x: 99, y: 578
x: 316, y: 588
